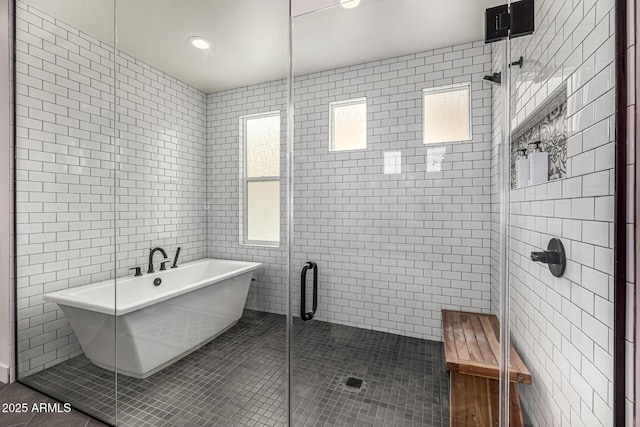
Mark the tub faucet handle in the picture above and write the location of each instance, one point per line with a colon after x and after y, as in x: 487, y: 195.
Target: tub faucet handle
x: 175, y: 260
x: 138, y: 271
x: 163, y: 265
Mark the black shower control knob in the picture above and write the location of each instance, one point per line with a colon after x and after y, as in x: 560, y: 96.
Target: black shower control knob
x: 554, y: 257
x: 547, y: 257
x: 539, y: 257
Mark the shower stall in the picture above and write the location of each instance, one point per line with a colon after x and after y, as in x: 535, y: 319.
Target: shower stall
x: 264, y: 213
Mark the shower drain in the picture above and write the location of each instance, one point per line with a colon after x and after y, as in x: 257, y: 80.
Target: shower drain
x: 354, y: 382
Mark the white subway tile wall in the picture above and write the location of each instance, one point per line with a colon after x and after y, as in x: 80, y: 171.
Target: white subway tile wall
x: 161, y: 166
x: 62, y: 241
x: 563, y: 327
x: 392, y: 250
x: 66, y: 160
x: 395, y: 249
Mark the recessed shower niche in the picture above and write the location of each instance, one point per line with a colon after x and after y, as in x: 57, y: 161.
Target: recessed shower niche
x: 545, y: 130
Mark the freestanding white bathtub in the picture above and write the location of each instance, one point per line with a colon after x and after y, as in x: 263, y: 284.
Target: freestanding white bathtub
x: 156, y: 325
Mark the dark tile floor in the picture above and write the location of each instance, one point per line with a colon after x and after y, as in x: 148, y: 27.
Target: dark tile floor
x: 239, y: 380
x: 404, y: 379
x: 17, y: 393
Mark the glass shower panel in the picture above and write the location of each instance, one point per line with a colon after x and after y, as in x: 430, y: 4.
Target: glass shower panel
x: 563, y: 101
x: 201, y: 173
x: 65, y: 194
x: 396, y: 263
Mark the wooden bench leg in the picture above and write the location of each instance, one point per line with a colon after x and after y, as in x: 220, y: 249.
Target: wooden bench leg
x: 515, y: 412
x: 474, y: 401
x: 470, y: 401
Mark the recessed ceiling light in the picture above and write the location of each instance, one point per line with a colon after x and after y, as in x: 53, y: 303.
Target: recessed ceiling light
x: 349, y: 4
x: 200, y: 42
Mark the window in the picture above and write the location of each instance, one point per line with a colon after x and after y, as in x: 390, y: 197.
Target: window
x: 260, y: 137
x: 348, y: 124
x: 446, y: 114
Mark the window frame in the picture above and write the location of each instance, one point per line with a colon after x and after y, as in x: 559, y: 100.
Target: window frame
x: 443, y: 89
x: 346, y: 102
x: 244, y: 181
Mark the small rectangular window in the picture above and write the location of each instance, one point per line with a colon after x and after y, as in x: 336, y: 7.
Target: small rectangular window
x: 446, y: 114
x: 260, y: 138
x: 348, y: 124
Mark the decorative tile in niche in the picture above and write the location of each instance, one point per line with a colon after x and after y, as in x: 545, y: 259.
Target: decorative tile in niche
x: 547, y: 124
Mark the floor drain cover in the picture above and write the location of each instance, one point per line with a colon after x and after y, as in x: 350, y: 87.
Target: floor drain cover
x: 354, y: 382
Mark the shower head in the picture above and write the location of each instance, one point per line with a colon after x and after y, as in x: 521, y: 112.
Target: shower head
x: 495, y: 78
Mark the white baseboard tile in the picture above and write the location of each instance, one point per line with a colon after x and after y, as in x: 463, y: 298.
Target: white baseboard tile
x: 5, y: 373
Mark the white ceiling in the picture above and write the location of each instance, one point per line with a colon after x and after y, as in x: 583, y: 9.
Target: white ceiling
x: 250, y: 36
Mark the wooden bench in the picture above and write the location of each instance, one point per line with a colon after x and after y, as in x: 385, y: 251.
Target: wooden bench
x: 472, y: 353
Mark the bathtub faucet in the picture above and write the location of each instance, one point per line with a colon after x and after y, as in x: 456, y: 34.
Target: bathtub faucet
x: 162, y: 264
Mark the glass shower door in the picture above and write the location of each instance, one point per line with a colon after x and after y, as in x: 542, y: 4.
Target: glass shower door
x: 151, y: 227
x: 397, y: 215
x: 563, y: 124
x: 201, y: 128
x: 65, y: 156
